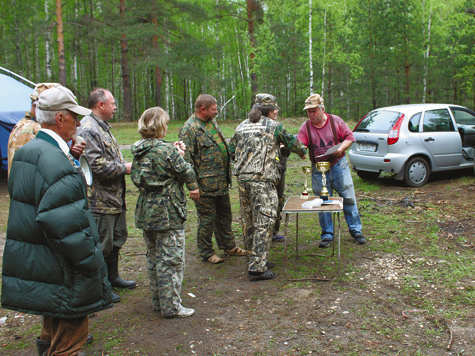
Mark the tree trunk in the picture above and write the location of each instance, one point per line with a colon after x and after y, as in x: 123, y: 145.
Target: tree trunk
x: 251, y: 7
x: 310, y: 47
x: 47, y: 48
x: 59, y: 28
x: 426, y: 56
x: 128, y: 110
x: 158, y: 70
x: 324, y: 50
x: 328, y: 100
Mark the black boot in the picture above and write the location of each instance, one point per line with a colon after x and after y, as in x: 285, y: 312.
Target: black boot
x: 42, y: 346
x: 115, y: 298
x: 112, y: 262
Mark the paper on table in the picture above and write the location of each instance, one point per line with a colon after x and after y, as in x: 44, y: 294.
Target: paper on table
x: 331, y: 150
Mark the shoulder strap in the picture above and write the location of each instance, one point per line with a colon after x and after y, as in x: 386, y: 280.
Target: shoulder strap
x: 330, y: 117
x: 310, y: 143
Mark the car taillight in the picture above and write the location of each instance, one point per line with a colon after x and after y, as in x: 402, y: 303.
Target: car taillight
x: 394, y: 133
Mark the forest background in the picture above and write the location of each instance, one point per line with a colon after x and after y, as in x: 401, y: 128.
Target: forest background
x: 359, y: 54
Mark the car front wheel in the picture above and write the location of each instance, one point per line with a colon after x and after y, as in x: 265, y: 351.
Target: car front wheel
x: 416, y: 172
x: 367, y: 175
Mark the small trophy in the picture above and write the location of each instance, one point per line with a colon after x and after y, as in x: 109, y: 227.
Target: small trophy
x: 307, y: 170
x: 323, y: 167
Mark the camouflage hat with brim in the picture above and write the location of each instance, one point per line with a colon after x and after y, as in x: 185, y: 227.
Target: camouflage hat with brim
x: 41, y: 87
x: 313, y: 101
x: 266, y: 100
x: 60, y: 98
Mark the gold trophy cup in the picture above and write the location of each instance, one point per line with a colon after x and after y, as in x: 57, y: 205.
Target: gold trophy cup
x: 307, y: 170
x: 323, y: 167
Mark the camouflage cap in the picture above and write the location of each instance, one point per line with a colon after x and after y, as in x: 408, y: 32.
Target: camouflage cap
x: 266, y: 100
x: 313, y: 101
x: 41, y: 87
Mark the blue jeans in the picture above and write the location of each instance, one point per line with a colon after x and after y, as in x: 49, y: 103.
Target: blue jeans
x: 338, y: 179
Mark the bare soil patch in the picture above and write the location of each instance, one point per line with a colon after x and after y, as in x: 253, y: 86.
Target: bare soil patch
x: 370, y: 310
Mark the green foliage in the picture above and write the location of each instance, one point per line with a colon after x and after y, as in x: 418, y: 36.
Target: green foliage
x: 365, y: 53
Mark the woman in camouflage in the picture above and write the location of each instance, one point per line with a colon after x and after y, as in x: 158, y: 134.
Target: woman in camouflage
x: 159, y: 171
x: 256, y: 148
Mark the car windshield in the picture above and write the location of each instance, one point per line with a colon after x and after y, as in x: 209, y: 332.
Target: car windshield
x: 378, y: 121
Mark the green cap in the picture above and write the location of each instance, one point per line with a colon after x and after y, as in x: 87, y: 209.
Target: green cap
x: 266, y: 100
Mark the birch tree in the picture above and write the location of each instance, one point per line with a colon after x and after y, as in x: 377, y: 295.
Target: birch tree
x: 60, y: 34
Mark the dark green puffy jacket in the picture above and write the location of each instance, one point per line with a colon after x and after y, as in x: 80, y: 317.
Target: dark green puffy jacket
x: 52, y: 262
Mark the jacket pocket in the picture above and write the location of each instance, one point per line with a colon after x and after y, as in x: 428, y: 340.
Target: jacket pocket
x: 179, y: 203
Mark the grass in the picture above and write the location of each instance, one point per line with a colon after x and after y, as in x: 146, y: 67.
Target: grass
x: 391, y: 227
x: 437, y: 272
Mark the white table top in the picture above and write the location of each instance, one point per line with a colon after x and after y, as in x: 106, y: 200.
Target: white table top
x: 294, y: 205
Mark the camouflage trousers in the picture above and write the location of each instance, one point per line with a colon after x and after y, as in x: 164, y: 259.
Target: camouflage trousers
x: 165, y: 266
x: 280, y: 194
x: 214, y: 216
x: 258, y: 214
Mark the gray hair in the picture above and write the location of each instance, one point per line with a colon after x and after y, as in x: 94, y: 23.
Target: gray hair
x: 96, y: 96
x: 48, y: 117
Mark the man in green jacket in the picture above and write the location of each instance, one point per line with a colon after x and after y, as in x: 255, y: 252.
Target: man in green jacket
x: 52, y: 263
x: 207, y: 152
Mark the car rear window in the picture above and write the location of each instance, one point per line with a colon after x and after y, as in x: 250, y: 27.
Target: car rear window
x: 378, y: 121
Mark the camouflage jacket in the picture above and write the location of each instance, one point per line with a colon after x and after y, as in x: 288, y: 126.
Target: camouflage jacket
x: 204, y: 154
x: 107, y: 192
x: 256, y: 150
x: 159, y: 172
x: 24, y: 131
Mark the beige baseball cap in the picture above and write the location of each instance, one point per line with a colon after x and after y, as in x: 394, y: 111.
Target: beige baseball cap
x: 60, y: 98
x: 313, y: 101
x: 41, y: 87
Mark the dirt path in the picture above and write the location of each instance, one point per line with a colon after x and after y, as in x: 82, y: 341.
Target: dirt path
x: 369, y: 311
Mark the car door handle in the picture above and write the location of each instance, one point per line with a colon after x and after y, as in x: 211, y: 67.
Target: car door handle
x: 430, y: 139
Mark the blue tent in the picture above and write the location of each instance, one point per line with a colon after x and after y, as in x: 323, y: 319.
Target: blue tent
x: 14, y: 102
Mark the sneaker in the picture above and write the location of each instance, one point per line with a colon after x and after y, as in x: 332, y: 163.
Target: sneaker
x: 324, y: 243
x: 261, y: 276
x: 183, y: 312
x: 278, y: 238
x: 359, y: 238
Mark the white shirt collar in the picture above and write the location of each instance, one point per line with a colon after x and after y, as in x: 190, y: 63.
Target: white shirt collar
x: 62, y: 144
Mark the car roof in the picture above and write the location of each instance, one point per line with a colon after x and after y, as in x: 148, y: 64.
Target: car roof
x: 414, y: 108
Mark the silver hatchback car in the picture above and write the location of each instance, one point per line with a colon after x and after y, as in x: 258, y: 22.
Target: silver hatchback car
x: 413, y: 140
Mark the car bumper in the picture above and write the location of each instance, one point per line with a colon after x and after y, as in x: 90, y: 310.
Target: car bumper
x: 390, y: 163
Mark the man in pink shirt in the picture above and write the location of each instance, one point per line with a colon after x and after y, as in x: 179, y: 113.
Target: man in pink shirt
x: 319, y: 133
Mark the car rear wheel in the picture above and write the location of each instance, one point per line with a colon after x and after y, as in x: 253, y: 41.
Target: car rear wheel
x: 367, y: 175
x: 416, y: 172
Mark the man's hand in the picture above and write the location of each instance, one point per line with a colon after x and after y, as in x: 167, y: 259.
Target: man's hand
x: 195, y: 194
x: 77, y: 149
x: 128, y: 167
x: 180, y: 146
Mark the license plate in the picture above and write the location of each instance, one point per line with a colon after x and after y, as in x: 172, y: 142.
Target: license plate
x: 367, y: 147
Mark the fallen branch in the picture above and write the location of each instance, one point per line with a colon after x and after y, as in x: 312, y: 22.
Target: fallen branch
x: 411, y: 311
x: 451, y: 335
